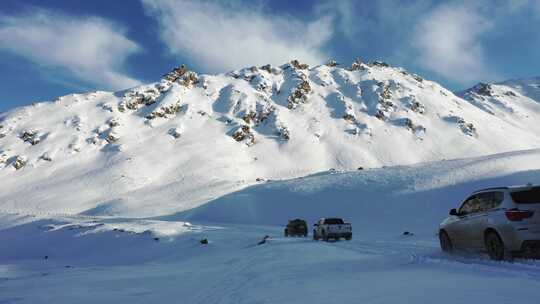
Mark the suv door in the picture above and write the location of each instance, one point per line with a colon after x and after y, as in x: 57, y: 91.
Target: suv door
x: 478, y: 221
x: 458, y: 228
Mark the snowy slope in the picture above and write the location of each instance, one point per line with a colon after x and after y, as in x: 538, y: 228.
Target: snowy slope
x: 187, y: 139
x: 117, y: 260
x: 516, y: 101
x: 377, y: 201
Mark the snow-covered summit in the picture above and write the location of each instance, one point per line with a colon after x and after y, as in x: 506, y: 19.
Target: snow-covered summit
x: 177, y: 143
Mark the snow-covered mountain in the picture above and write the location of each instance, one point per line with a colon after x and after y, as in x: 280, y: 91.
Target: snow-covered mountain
x: 172, y: 145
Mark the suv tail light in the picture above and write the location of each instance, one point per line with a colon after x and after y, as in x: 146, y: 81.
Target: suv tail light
x: 516, y: 215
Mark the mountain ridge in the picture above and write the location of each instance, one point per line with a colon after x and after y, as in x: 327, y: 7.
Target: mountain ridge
x: 184, y: 140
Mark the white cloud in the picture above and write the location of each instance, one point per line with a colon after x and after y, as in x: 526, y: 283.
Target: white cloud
x: 221, y: 36
x: 448, y: 43
x: 91, y: 48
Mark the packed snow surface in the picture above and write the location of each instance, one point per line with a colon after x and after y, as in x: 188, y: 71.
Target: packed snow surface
x: 89, y: 259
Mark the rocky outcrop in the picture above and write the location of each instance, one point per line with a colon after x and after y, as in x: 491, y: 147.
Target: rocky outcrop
x: 182, y: 76
x: 165, y: 111
x: 384, y: 101
x: 466, y: 127
x: 244, y: 134
x: 300, y: 66
x: 358, y: 65
x: 257, y: 117
x: 300, y: 94
x: 31, y: 136
x: 484, y: 89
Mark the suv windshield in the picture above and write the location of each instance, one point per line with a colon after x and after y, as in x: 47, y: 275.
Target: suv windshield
x: 531, y: 196
x: 333, y: 221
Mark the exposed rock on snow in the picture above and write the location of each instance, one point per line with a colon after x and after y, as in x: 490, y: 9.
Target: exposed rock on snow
x: 20, y: 162
x: 244, y: 134
x: 300, y: 94
x: 175, y: 132
x: 297, y: 65
x: 32, y: 137
x: 466, y: 127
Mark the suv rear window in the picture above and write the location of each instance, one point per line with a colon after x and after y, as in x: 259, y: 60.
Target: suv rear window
x: 333, y: 221
x: 531, y: 196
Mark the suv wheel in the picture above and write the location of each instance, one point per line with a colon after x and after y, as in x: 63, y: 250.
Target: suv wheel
x: 315, y: 236
x: 445, y: 241
x: 324, y: 236
x: 286, y: 233
x: 495, y: 246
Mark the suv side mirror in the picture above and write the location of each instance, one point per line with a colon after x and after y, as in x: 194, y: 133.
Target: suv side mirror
x: 454, y: 212
x: 315, y: 225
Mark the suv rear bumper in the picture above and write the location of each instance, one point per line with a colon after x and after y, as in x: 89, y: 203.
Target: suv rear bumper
x: 530, y: 249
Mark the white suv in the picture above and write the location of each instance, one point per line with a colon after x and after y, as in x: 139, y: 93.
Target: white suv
x: 504, y: 221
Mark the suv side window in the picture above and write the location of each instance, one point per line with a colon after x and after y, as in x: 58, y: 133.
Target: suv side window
x: 469, y: 206
x: 490, y: 200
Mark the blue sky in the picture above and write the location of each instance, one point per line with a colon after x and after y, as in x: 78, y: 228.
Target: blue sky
x: 56, y: 47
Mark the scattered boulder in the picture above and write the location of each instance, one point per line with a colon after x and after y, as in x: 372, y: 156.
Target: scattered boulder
x: 417, y: 78
x: 417, y: 107
x: 204, y: 242
x: 3, y: 157
x: 380, y: 115
x: 360, y: 168
x: 113, y: 122
x: 510, y: 93
x: 112, y: 137
x: 175, y: 132
x: 46, y: 157
x: 284, y: 133
x: 264, y: 240
x: 349, y: 117
x: 20, y: 162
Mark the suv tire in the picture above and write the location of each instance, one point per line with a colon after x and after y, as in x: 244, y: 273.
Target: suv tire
x: 445, y: 242
x: 495, y: 246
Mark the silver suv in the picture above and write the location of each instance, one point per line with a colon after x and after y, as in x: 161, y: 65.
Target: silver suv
x: 504, y: 221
